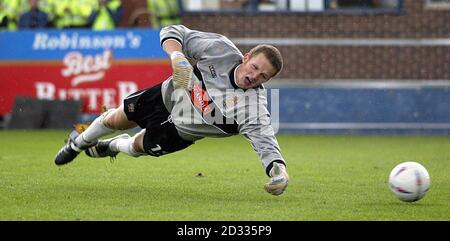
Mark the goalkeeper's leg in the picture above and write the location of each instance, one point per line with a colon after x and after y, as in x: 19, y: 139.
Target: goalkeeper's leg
x: 107, y: 123
x: 131, y: 146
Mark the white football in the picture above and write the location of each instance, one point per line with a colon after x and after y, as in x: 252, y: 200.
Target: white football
x: 409, y: 181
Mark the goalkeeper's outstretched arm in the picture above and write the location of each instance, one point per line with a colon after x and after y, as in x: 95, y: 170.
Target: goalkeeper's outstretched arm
x: 182, y: 69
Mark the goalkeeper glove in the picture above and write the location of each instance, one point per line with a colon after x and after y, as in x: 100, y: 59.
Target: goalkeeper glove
x: 182, y: 70
x: 279, y: 179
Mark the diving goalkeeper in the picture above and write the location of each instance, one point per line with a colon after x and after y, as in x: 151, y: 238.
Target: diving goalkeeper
x: 214, y: 91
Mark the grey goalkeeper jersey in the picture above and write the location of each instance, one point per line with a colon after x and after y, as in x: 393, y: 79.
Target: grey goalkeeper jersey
x: 216, y: 106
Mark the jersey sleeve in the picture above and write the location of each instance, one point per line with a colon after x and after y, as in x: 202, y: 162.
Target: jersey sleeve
x: 263, y: 141
x: 194, y: 43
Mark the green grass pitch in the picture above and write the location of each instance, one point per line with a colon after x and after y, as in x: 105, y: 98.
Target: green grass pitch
x: 332, y: 178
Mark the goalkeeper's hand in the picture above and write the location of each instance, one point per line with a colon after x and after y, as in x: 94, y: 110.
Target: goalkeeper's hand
x: 279, y: 179
x: 182, y: 70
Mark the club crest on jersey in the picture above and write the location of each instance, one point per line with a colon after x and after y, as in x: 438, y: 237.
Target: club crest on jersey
x: 213, y: 71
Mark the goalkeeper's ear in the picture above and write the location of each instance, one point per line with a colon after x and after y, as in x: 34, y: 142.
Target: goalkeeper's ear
x: 246, y: 57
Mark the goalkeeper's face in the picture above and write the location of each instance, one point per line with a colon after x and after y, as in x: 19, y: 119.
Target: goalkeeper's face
x: 254, y: 71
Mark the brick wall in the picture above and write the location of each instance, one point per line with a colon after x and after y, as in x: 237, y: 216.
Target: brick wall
x: 346, y: 62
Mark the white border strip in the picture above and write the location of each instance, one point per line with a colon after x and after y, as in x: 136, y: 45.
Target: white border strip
x: 373, y: 126
x: 358, y: 83
x: 342, y: 42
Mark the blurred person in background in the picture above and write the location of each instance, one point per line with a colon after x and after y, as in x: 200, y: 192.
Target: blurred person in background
x: 73, y: 14
x: 248, y: 5
x: 3, y: 17
x: 214, y: 91
x: 3, y: 21
x: 48, y: 7
x: 106, y: 15
x: 386, y: 3
x: 351, y: 4
x: 9, y: 14
x: 34, y: 18
x: 163, y: 12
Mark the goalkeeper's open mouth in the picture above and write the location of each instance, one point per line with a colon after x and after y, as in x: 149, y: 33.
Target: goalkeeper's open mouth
x: 248, y: 81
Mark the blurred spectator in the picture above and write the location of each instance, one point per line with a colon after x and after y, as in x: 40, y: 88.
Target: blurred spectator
x: 164, y: 12
x: 3, y: 21
x: 281, y: 4
x: 386, y: 3
x: 106, y: 15
x: 73, y: 14
x: 271, y: 5
x: 253, y: 5
x: 34, y: 18
x: 139, y: 17
x: 235, y: 4
x: 9, y: 14
x: 48, y: 7
x: 334, y: 4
